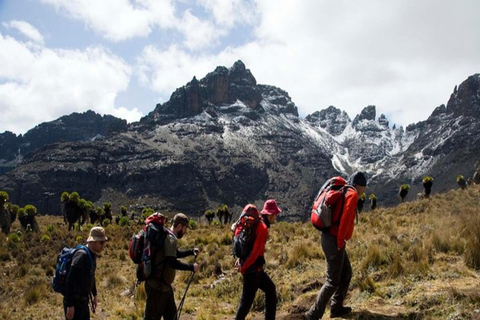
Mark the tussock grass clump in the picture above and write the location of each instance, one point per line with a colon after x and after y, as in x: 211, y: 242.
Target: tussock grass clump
x: 32, y: 295
x: 301, y: 252
x: 471, y: 232
x: 373, y: 259
x: 366, y: 283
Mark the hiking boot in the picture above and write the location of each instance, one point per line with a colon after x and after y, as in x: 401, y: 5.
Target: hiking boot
x: 340, y: 311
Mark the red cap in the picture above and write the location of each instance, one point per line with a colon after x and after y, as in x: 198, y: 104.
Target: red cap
x: 270, y: 207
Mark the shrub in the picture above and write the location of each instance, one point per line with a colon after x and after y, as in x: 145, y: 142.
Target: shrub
x: 124, y: 221
x: 192, y: 224
x: 105, y: 222
x: 45, y: 238
x: 146, y: 212
x: 13, y: 238
x: 3, y: 196
x: 74, y: 196
x: 79, y: 239
x: 50, y: 228
x: 64, y: 197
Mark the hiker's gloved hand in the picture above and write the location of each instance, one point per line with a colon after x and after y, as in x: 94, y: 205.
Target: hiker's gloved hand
x: 70, y: 312
x: 237, y: 265
x: 196, y: 267
x: 196, y: 251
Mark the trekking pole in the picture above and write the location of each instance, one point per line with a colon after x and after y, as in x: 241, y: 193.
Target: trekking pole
x: 92, y: 306
x: 135, y: 288
x: 180, y: 306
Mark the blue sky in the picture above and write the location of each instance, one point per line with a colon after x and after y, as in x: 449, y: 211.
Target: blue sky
x: 122, y: 57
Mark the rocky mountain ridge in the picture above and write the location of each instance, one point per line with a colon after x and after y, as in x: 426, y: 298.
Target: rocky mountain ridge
x: 227, y: 139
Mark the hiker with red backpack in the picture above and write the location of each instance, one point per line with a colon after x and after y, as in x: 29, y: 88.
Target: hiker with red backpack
x: 80, y: 283
x: 333, y: 241
x: 251, y: 266
x: 158, y: 286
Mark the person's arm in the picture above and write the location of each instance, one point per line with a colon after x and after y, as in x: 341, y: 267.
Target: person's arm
x: 186, y: 253
x: 178, y: 265
x: 258, y: 247
x: 345, y: 229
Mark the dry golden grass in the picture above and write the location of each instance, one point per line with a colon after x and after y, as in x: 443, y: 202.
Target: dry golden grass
x: 419, y: 260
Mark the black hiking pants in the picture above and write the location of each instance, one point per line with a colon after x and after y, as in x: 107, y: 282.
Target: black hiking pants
x: 159, y: 303
x: 251, y: 283
x: 339, y: 274
x: 82, y: 312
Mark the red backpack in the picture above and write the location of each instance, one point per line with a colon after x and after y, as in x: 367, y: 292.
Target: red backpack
x: 244, y: 232
x: 326, y: 211
x: 143, y: 244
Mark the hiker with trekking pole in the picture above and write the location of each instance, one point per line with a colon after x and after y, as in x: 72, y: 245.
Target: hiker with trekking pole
x: 158, y: 286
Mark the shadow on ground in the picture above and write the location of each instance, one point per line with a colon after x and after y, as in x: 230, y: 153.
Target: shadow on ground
x: 359, y: 315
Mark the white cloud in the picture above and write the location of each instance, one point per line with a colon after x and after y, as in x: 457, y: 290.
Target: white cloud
x: 403, y: 56
x: 119, y: 20
x: 349, y: 55
x: 228, y: 13
x: 27, y: 30
x: 57, y: 82
x: 198, y: 33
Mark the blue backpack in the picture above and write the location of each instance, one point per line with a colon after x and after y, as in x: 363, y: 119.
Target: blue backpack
x: 64, y: 261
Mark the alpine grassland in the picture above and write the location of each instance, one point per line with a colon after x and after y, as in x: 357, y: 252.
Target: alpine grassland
x: 418, y: 260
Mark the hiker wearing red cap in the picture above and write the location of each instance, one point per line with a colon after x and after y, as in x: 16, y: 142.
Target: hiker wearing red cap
x: 333, y: 240
x: 254, y: 277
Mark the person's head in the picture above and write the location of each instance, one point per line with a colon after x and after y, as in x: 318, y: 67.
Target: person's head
x: 271, y: 210
x: 96, y: 239
x: 359, y: 181
x: 250, y: 209
x: 180, y: 225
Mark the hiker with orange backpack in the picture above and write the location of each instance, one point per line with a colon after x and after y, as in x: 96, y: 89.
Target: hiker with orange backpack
x: 333, y: 240
x: 158, y: 286
x: 80, y: 282
x: 251, y: 265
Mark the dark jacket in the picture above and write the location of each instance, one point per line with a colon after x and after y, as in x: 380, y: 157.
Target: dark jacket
x: 81, y: 278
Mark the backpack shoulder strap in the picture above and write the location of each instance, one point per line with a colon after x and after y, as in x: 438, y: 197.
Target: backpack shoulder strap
x: 344, y: 192
x: 89, y: 254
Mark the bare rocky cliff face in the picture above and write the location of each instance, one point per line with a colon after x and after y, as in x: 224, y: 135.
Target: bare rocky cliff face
x: 225, y: 139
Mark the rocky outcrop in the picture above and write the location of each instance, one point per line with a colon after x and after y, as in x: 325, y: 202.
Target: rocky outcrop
x: 220, y: 87
x: 333, y: 120
x: 75, y: 127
